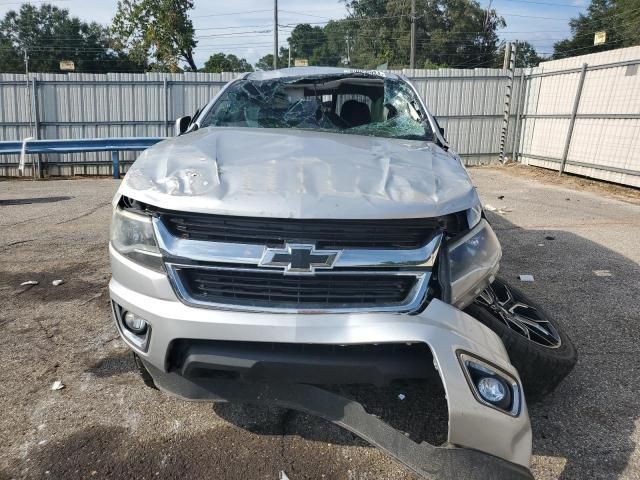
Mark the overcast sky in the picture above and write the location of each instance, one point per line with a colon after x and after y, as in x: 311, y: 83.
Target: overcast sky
x: 240, y: 27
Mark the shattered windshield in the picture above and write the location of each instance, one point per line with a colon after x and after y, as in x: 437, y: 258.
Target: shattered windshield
x: 359, y: 105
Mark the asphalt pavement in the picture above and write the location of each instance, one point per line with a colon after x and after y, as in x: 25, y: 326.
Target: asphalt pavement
x: 580, y: 242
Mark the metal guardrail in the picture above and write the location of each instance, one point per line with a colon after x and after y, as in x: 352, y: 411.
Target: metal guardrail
x: 113, y: 145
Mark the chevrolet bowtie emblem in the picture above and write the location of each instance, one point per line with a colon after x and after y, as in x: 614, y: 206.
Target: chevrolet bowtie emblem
x: 298, y: 258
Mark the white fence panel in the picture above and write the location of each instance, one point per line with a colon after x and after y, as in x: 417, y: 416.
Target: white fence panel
x: 605, y: 140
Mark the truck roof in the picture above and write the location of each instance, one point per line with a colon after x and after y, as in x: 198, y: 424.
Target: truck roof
x: 314, y: 71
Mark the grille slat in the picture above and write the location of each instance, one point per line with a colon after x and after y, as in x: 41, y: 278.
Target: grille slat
x: 324, y: 233
x: 254, y: 288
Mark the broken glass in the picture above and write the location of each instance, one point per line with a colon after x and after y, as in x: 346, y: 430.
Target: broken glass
x: 382, y: 108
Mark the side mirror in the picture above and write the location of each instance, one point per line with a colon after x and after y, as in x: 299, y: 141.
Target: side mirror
x: 441, y: 130
x: 182, y: 124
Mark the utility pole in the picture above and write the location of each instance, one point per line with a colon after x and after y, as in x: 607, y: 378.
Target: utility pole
x: 507, y: 56
x: 26, y: 74
x: 412, y: 61
x: 275, y: 34
x: 347, y: 38
x: 289, y: 64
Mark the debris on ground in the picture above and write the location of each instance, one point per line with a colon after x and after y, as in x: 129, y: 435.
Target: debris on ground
x: 549, y: 237
x: 500, y: 197
x: 401, y: 396
x: 541, y: 244
x: 526, y: 278
x: 602, y: 273
x: 500, y: 211
x: 57, y: 385
x: 55, y: 283
x: 282, y: 476
x: 90, y: 299
x: 29, y: 283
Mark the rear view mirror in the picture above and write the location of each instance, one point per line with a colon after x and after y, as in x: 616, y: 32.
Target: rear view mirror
x: 182, y: 124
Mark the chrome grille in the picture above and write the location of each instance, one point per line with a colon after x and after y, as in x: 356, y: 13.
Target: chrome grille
x: 234, y: 276
x: 264, y: 289
x: 388, y: 233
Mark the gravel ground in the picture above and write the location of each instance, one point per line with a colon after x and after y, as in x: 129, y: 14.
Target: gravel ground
x: 106, y: 424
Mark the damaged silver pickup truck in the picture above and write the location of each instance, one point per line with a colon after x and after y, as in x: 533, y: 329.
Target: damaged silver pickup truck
x: 310, y: 227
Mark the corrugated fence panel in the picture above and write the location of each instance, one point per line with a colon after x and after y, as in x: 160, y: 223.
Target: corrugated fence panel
x: 468, y: 103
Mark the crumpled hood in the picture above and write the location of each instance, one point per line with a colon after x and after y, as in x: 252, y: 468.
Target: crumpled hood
x: 299, y: 174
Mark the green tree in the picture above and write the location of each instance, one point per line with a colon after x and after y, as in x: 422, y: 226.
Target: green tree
x: 49, y: 34
x: 304, y: 39
x: 219, y: 62
x: 629, y: 17
x: 456, y: 33
x: 334, y: 49
x: 10, y: 56
x: 158, y: 29
x: 619, y: 19
x: 266, y: 62
x: 526, y: 56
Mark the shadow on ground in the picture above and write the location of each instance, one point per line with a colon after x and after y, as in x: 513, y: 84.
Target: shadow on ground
x: 589, y: 421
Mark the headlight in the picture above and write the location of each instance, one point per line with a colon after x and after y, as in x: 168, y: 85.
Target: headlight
x: 473, y: 261
x: 474, y: 215
x: 132, y: 236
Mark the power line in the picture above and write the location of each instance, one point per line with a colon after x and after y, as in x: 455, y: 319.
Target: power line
x: 554, y: 4
x: 246, y: 12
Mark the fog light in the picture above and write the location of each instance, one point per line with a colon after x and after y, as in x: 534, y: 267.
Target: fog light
x: 492, y: 389
x: 134, y: 323
x: 491, y: 385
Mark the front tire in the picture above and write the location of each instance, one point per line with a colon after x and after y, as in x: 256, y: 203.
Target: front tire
x: 536, y: 343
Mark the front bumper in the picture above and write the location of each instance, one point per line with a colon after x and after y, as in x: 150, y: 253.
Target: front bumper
x: 442, y: 327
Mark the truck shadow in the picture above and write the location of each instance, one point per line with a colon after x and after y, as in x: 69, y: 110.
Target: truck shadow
x: 588, y: 423
x: 417, y: 408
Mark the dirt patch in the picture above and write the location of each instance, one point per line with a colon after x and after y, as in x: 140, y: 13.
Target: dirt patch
x: 78, y: 280
x: 607, y: 189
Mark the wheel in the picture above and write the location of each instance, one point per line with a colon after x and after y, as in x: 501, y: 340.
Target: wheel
x: 144, y: 374
x: 538, y: 347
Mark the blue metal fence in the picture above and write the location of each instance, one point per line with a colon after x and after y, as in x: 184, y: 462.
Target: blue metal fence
x: 113, y: 145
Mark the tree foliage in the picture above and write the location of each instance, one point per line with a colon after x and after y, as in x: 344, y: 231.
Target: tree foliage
x: 158, y: 29
x: 219, y: 62
x: 526, y: 56
x: 266, y: 62
x: 448, y: 33
x: 49, y: 34
x: 620, y: 19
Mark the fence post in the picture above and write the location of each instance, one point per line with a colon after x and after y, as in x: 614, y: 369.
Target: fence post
x: 36, y: 124
x: 165, y: 86
x: 576, y: 104
x: 507, y: 101
x: 519, y: 108
x: 115, y: 160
